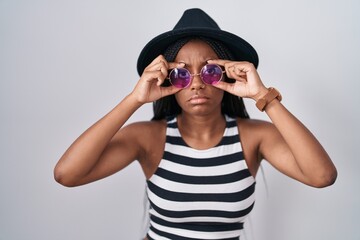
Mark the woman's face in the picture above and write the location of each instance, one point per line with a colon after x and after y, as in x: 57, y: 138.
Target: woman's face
x: 198, y: 98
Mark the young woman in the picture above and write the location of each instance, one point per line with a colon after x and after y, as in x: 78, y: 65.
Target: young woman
x: 201, y: 152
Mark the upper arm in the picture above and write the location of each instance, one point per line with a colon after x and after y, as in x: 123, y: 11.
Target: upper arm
x: 274, y: 149
x: 121, y: 151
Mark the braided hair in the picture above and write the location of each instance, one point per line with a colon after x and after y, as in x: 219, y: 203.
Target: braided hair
x: 231, y: 105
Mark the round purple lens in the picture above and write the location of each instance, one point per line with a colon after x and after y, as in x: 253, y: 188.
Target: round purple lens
x: 211, y: 74
x: 180, y: 77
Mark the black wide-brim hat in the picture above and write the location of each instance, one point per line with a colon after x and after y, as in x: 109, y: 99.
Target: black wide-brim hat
x: 195, y: 22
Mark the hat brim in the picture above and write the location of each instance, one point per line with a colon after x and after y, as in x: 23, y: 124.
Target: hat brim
x: 240, y: 49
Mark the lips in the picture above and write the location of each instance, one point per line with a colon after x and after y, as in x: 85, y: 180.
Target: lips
x: 198, y: 99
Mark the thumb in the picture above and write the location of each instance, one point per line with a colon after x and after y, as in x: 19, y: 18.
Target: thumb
x: 166, y: 91
x: 223, y: 86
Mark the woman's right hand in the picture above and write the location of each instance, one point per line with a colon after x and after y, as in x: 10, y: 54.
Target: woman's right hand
x: 148, y: 88
x: 104, y: 149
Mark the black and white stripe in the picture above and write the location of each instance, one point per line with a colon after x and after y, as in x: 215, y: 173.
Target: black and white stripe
x: 200, y: 194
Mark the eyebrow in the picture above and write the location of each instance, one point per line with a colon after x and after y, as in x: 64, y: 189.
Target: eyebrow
x: 205, y: 62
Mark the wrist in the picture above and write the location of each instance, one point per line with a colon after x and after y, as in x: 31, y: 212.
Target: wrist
x: 134, y: 100
x: 262, y: 92
x: 267, y: 98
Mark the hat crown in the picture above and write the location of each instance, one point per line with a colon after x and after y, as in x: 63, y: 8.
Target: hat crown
x: 195, y: 18
x: 196, y: 23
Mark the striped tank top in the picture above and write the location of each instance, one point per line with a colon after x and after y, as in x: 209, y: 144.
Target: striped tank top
x: 200, y: 194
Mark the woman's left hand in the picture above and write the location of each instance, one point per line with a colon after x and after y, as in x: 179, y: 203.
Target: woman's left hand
x: 247, y: 80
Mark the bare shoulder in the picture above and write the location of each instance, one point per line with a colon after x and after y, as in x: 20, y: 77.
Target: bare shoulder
x: 149, y: 137
x: 259, y: 134
x: 252, y: 132
x: 257, y: 131
x: 255, y: 126
x: 253, y: 122
x: 149, y: 125
x: 145, y: 130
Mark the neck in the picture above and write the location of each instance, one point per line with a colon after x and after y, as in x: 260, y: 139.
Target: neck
x: 200, y: 126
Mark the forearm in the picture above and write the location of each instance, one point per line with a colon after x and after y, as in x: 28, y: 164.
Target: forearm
x: 86, y: 150
x: 313, y: 161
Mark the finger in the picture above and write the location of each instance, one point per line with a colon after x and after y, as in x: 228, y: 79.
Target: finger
x: 158, y: 61
x: 164, y: 72
x: 157, y: 66
x: 172, y: 65
x: 236, y: 70
x: 166, y: 91
x: 236, y: 77
x: 239, y: 71
x: 241, y: 79
x: 231, y: 71
x: 159, y: 72
x: 221, y: 62
x: 244, y: 67
x: 224, y: 86
x: 151, y: 76
x: 161, y: 76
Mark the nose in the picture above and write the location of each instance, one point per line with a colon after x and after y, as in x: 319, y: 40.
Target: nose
x: 196, y: 82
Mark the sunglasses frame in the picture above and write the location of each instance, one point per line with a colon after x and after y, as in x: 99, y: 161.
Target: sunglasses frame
x: 192, y: 75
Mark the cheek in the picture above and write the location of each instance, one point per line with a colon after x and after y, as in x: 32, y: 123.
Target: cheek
x: 180, y: 97
x: 219, y: 92
x: 218, y: 95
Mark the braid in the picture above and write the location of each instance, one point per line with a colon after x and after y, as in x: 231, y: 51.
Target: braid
x: 172, y: 50
x: 219, y: 48
x: 231, y: 105
x: 168, y: 105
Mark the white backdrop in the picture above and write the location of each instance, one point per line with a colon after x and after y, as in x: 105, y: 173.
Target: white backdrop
x: 64, y: 64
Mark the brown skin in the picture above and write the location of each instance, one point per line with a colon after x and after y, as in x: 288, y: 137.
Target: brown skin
x: 108, y: 146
